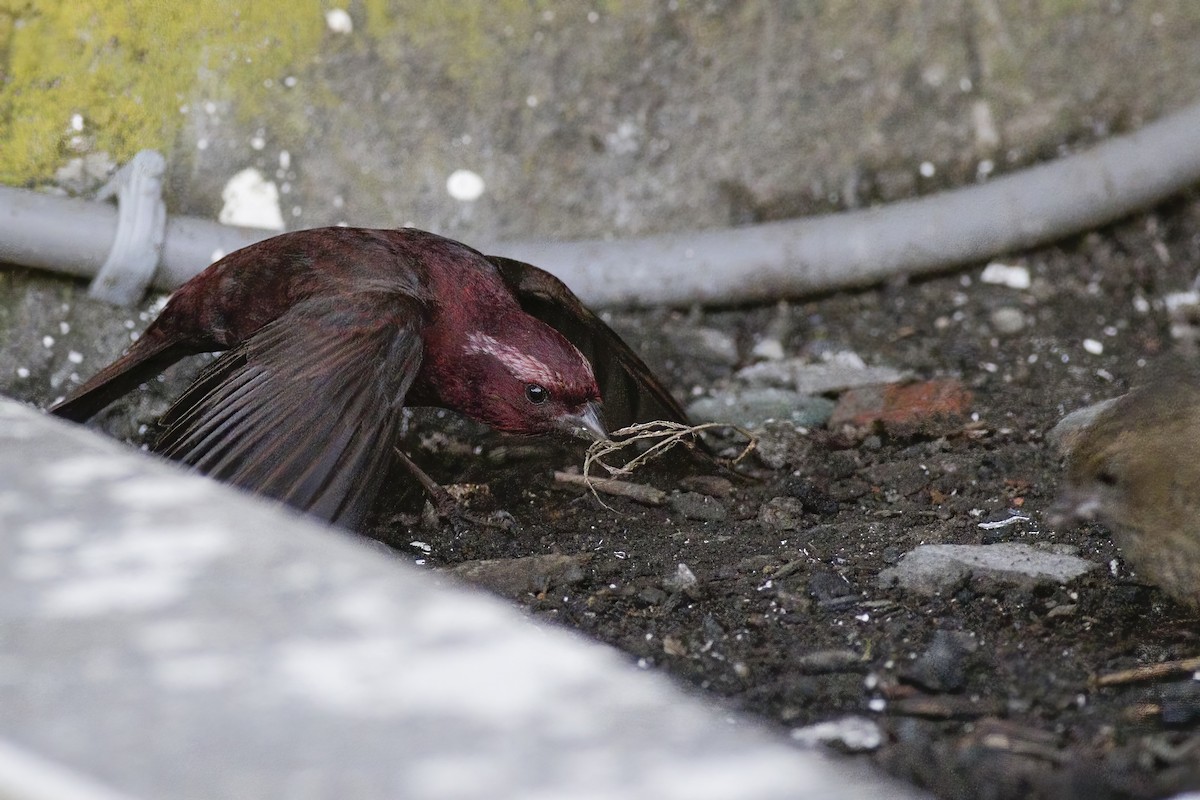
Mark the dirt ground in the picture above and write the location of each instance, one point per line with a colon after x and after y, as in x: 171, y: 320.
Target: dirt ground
x: 986, y: 691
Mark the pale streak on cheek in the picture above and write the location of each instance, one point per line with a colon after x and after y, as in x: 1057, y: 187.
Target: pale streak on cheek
x: 523, y: 366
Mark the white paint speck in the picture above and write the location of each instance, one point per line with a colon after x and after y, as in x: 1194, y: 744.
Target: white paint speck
x: 339, y: 21
x: 257, y: 142
x: 77, y: 122
x: 927, y: 169
x: 64, y: 327
x: 422, y: 546
x: 625, y: 139
x: 593, y: 16
x: 47, y: 341
x: 75, y: 357
x: 252, y: 201
x: 531, y: 101
x: 22, y: 372
x: 285, y: 159
x: 465, y: 185
x: 1093, y: 346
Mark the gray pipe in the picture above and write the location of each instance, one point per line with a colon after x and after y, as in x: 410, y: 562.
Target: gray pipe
x: 816, y: 254
x: 73, y: 236
x: 755, y: 263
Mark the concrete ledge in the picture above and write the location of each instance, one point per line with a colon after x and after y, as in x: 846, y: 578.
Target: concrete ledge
x: 164, y: 636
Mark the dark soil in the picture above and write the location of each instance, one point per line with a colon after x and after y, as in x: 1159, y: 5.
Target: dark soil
x: 985, y: 692
x: 988, y: 691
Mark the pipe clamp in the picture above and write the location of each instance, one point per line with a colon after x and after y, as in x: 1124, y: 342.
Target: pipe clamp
x: 141, y: 226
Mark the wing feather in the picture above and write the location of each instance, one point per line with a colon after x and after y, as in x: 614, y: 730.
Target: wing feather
x: 631, y: 391
x: 305, y: 411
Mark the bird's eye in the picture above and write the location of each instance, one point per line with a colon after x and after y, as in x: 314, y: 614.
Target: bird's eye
x: 536, y: 394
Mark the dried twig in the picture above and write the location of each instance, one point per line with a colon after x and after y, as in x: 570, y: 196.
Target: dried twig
x: 1150, y: 672
x: 647, y: 495
x: 669, y: 435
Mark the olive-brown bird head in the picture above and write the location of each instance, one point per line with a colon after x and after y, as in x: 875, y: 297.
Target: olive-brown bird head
x: 1135, y: 470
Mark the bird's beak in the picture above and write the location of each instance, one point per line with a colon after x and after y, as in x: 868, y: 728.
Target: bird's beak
x: 1073, y: 507
x: 587, y: 424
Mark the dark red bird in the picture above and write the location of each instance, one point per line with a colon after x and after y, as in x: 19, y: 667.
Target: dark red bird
x: 330, y: 332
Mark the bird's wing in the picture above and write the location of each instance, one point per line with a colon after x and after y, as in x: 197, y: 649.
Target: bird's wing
x: 630, y: 390
x: 306, y: 410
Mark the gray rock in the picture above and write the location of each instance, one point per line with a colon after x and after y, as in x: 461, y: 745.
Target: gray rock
x: 1063, y: 436
x: 782, y: 514
x: 752, y: 408
x: 705, y: 344
x: 943, y: 665
x: 694, y: 505
x: 821, y: 378
x: 516, y: 576
x: 932, y: 568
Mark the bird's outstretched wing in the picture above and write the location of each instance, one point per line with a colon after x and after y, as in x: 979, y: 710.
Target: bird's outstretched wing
x: 631, y: 391
x: 305, y: 411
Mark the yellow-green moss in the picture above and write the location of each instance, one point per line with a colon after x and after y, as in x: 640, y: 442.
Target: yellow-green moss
x: 126, y: 67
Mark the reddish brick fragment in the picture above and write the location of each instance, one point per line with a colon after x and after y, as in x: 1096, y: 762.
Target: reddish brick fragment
x: 929, y: 408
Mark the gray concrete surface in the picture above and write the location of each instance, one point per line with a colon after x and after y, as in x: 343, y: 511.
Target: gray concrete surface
x: 165, y: 636
x: 161, y: 636
x: 611, y: 119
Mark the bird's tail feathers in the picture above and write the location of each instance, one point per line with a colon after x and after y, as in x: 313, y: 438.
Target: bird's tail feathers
x: 149, y: 356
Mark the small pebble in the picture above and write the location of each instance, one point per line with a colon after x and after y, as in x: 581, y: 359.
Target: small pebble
x: 850, y: 734
x: 694, y: 505
x: 943, y: 665
x: 1008, y: 320
x: 1014, y: 277
x: 782, y: 514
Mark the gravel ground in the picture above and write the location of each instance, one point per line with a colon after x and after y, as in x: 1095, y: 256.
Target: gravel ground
x: 767, y: 593
x: 778, y: 593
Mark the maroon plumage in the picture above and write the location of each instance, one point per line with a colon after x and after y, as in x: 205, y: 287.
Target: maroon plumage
x: 330, y: 332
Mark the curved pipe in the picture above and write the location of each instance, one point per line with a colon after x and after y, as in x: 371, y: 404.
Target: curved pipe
x: 816, y: 254
x: 717, y: 267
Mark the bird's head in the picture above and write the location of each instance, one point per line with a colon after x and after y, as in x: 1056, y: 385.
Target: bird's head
x: 531, y: 380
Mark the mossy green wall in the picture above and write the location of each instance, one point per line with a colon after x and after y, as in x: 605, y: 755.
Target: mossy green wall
x: 128, y: 66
